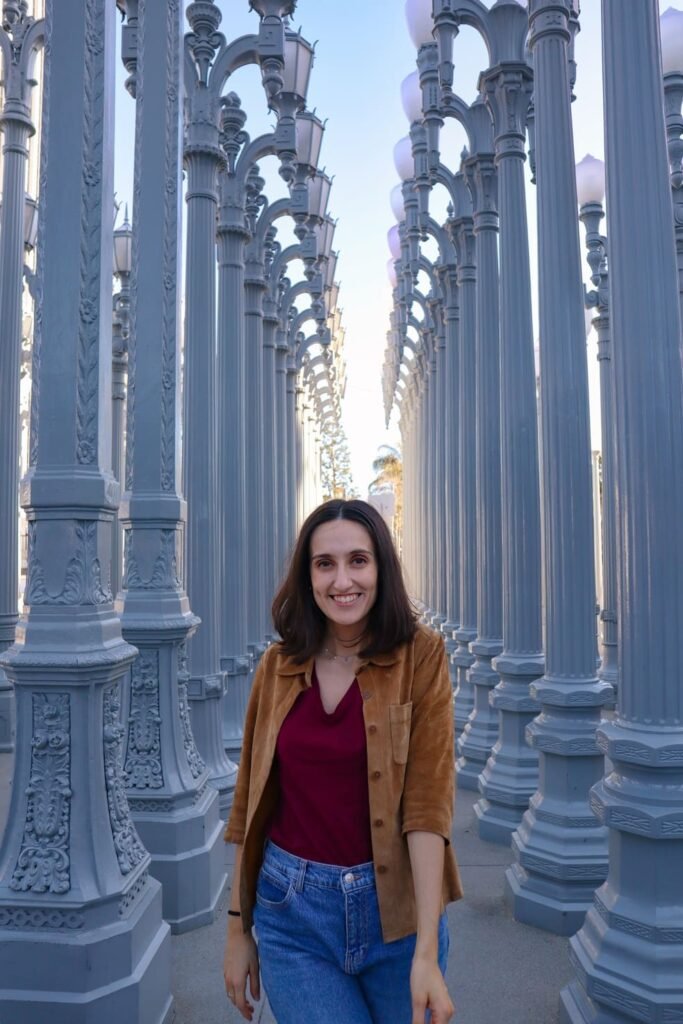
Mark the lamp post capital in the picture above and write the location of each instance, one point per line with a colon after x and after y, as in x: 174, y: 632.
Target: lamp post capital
x: 507, y: 89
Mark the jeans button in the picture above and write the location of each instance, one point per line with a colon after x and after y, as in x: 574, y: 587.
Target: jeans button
x: 349, y: 877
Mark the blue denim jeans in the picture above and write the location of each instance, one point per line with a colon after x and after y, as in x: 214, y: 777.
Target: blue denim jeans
x: 322, y: 957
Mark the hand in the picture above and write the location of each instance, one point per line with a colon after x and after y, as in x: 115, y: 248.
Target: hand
x: 428, y: 991
x: 239, y: 963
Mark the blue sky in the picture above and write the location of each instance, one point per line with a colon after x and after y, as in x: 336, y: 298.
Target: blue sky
x: 363, y: 53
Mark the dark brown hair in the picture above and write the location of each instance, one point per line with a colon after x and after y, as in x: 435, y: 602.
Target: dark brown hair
x: 298, y: 619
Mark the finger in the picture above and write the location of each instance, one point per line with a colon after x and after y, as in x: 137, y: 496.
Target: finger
x: 255, y: 981
x: 419, y: 1008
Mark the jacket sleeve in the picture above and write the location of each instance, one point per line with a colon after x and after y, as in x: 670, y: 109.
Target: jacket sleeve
x: 429, y: 786
x: 237, y: 822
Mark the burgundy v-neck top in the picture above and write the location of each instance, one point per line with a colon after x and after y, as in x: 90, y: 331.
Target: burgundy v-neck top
x: 323, y: 812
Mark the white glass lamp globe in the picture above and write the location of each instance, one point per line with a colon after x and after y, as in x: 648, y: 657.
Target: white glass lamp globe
x: 590, y: 180
x: 398, y: 207
x: 420, y: 22
x: 403, y: 158
x: 394, y: 240
x: 391, y: 273
x: 411, y: 97
x: 671, y: 30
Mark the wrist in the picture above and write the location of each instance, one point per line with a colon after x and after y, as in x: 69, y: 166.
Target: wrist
x: 426, y: 949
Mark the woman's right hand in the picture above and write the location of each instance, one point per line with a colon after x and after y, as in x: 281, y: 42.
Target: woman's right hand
x: 239, y: 963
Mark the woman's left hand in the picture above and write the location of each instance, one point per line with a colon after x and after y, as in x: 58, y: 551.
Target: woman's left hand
x: 428, y: 991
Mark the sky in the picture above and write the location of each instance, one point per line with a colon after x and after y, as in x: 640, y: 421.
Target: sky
x: 363, y: 53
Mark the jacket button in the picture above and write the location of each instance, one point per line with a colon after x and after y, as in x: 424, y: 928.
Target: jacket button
x: 377, y: 775
x: 372, y: 728
x: 378, y: 822
x: 381, y: 869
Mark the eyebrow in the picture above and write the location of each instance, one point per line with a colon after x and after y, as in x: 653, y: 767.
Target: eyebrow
x: 357, y: 551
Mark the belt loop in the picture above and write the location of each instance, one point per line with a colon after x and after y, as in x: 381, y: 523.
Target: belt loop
x: 299, y: 884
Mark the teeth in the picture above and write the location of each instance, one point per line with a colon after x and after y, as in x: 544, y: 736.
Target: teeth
x: 345, y: 598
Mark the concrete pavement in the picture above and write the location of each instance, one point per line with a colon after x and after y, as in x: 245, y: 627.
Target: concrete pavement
x: 498, y: 970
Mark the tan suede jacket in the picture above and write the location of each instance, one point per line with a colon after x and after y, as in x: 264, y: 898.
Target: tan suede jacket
x: 408, y: 712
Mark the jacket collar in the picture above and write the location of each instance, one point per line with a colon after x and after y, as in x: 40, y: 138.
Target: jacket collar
x: 289, y: 667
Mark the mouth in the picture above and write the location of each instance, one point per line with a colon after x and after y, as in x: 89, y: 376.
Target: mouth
x: 344, y: 600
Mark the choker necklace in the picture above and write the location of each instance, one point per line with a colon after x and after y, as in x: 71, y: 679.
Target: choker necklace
x: 346, y: 658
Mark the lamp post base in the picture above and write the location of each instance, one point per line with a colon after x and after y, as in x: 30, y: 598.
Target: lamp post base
x: 84, y: 973
x: 7, y: 716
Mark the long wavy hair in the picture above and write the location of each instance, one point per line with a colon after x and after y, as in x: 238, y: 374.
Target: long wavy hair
x: 298, y: 619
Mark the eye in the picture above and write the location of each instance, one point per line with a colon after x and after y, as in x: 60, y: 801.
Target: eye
x: 322, y: 563
x: 360, y: 560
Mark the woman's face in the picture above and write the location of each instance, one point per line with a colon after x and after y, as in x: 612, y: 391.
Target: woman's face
x: 343, y: 575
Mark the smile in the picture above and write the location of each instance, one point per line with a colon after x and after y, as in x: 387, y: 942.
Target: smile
x: 345, y: 599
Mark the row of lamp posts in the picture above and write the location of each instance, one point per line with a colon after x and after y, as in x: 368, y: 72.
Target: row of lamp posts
x: 143, y: 619
x: 498, y: 481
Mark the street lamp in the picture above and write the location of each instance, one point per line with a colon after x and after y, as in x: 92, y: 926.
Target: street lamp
x: 123, y: 248
x: 420, y: 22
x: 398, y: 205
x: 411, y: 97
x: 403, y: 158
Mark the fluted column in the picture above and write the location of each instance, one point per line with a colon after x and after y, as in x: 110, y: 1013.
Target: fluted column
x: 510, y: 777
x: 591, y: 214
x: 463, y: 658
x: 258, y: 606
x: 82, y: 934
x: 629, y: 952
x: 232, y: 510
x: 560, y: 849
x: 429, y: 520
x: 203, y: 158
x: 481, y: 730
x: 119, y: 385
x: 451, y: 455
x: 441, y: 470
x: 282, y: 436
x: 292, y: 449
x: 174, y: 809
x: 271, y: 456
x: 17, y: 127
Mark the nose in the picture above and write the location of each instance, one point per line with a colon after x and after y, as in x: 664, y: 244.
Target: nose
x: 342, y: 580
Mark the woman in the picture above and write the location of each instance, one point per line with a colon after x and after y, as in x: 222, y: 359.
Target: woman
x: 347, y: 779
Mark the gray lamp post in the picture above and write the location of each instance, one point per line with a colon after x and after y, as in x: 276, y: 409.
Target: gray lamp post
x: 20, y: 38
x: 560, y: 849
x: 672, y: 65
x: 174, y: 808
x: 123, y: 265
x: 628, y: 954
x: 81, y: 931
x: 590, y: 180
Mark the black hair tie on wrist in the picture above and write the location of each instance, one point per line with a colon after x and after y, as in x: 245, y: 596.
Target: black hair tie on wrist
x: 234, y: 913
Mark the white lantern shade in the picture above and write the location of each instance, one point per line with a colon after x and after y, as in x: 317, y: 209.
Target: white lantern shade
x: 318, y: 194
x: 394, y: 240
x: 30, y: 222
x: 403, y: 158
x: 411, y: 97
x: 420, y: 22
x: 590, y: 180
x: 391, y: 272
x: 331, y: 269
x: 123, y: 248
x: 298, y: 64
x: 325, y: 236
x: 671, y: 29
x: 398, y: 207
x: 309, y: 138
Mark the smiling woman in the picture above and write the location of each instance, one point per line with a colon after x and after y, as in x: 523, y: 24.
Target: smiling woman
x: 343, y: 804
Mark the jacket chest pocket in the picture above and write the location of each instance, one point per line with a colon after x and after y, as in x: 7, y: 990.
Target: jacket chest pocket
x: 399, y: 722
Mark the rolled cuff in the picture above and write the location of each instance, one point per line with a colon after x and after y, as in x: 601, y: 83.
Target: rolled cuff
x: 439, y: 826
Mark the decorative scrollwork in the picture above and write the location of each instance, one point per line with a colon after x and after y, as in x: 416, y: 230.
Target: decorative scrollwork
x: 127, y: 843
x: 143, y: 769
x: 87, y: 387
x: 194, y: 759
x: 165, y: 571
x: 83, y: 579
x: 43, y: 864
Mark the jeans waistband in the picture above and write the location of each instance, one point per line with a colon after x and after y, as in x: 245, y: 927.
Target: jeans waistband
x: 302, y: 872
